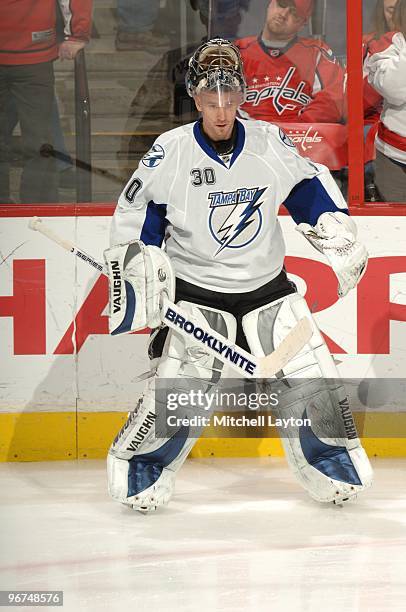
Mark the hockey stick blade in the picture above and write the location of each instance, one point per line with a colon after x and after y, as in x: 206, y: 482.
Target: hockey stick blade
x: 216, y: 344
x: 296, y: 339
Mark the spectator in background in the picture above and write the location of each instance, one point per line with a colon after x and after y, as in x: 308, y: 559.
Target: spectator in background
x: 373, y: 101
x: 291, y: 78
x: 28, y: 48
x: 136, y: 20
x: 383, y: 23
x: 385, y: 67
x: 64, y: 163
x: 224, y: 18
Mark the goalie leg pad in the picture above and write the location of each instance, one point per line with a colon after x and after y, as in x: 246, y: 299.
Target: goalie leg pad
x: 142, y: 463
x: 326, y: 456
x: 320, y: 440
x: 141, y: 467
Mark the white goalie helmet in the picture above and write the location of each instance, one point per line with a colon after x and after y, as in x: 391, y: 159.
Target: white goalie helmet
x: 216, y: 66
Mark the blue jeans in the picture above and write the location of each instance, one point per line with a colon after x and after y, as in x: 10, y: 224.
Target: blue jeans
x: 58, y: 137
x: 137, y: 15
x: 31, y: 87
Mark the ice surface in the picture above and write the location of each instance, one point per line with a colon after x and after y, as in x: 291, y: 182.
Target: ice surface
x: 239, y: 535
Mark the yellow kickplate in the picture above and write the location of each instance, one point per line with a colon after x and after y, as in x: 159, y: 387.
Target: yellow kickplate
x: 237, y: 447
x: 96, y: 431
x: 45, y: 436
x: 37, y: 436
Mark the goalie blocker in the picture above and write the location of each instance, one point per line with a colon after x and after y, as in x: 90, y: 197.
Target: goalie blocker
x: 138, y: 276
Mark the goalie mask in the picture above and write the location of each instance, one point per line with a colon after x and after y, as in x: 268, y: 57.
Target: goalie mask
x: 216, y: 67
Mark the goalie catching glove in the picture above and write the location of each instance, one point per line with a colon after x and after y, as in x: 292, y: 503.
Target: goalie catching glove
x: 334, y: 235
x: 138, y: 276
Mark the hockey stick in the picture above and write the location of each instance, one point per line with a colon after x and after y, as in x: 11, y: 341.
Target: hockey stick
x: 211, y: 341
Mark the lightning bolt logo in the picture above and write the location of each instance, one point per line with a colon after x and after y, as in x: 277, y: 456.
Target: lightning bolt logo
x: 237, y: 221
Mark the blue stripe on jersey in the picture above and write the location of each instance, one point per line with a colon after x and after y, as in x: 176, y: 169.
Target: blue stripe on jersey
x: 205, y: 145
x: 154, y: 227
x: 308, y: 200
x: 202, y: 142
x: 240, y: 142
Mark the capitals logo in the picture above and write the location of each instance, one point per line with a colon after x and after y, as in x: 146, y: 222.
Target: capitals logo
x: 280, y: 91
x: 235, y: 217
x: 154, y: 156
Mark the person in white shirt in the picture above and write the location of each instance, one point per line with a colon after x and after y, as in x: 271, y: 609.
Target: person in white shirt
x: 385, y: 66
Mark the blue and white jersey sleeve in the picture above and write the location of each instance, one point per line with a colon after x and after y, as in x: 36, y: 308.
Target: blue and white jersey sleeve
x: 141, y: 212
x: 315, y: 191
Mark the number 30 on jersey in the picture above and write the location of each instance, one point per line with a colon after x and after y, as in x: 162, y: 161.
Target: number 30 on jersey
x: 202, y: 177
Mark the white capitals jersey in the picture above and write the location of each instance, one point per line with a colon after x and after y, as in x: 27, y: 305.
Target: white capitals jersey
x: 217, y: 216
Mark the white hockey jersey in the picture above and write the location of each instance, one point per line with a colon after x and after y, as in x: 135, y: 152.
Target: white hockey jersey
x: 386, y: 69
x: 218, y: 217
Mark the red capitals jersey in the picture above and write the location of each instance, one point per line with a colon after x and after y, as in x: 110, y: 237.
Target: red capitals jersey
x: 28, y: 28
x: 300, y: 82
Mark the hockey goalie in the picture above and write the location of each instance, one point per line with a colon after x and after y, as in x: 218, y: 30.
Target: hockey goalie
x: 197, y: 222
